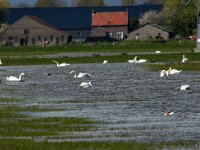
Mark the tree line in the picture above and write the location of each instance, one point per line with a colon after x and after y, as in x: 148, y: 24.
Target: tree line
x: 175, y: 15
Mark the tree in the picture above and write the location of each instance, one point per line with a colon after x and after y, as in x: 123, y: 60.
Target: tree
x: 4, y: 5
x: 152, y: 17
x: 132, y: 24
x: 22, y: 5
x: 86, y: 3
x: 128, y: 2
x: 180, y: 18
x: 51, y: 3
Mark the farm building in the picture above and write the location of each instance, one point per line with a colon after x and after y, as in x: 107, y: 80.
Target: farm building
x: 31, y: 30
x: 76, y: 21
x: 110, y: 25
x: 150, y: 31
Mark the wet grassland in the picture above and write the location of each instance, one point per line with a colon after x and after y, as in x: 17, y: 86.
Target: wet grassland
x: 20, y: 130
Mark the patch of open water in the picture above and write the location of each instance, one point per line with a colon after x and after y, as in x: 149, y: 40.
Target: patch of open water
x: 129, y: 97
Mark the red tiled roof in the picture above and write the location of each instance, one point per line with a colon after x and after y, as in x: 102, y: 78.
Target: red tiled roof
x: 109, y: 18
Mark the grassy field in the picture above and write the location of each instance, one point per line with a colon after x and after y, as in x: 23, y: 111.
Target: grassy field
x: 124, y: 46
x: 22, y: 132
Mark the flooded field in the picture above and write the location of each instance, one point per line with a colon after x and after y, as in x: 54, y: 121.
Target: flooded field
x: 129, y: 98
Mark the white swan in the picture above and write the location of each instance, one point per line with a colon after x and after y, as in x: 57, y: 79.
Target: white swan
x: 185, y: 87
x: 140, y: 60
x: 164, y: 73
x: 184, y: 60
x: 61, y: 65
x: 169, y: 113
x: 157, y: 52
x: 82, y: 75
x: 85, y: 84
x: 12, y: 78
x: 1, y: 62
x: 105, y: 62
x: 174, y: 71
x: 133, y: 60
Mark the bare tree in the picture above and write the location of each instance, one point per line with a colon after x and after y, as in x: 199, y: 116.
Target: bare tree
x: 51, y: 3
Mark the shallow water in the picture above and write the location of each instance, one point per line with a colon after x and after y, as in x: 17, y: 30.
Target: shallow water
x: 130, y: 98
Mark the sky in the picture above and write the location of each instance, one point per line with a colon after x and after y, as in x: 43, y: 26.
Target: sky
x: 109, y: 2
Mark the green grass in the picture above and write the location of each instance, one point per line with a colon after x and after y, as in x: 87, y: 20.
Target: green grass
x: 123, y: 46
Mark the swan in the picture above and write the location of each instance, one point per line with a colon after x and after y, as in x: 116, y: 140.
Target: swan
x: 133, y: 60
x: 12, y: 78
x: 82, y: 75
x: 184, y: 60
x: 105, y: 62
x: 185, y: 87
x: 61, y: 65
x: 85, y: 84
x: 47, y: 74
x: 1, y: 62
x: 164, y: 73
x: 169, y: 113
x: 174, y: 71
x: 140, y: 60
x: 157, y: 52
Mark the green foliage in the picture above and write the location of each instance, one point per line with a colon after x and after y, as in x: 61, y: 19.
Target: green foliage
x: 180, y: 18
x: 51, y: 3
x: 132, y: 24
x: 4, y: 5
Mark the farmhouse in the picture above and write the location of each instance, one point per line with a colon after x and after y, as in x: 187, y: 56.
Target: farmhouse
x: 110, y: 25
x: 76, y: 21
x: 148, y: 31
x: 31, y: 30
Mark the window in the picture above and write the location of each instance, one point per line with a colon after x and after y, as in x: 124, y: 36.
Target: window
x: 16, y: 39
x: 26, y: 32
x: 79, y: 33
x: 51, y: 38
x: 33, y: 41
x: 62, y: 37
x: 120, y: 35
x: 10, y: 38
x: 39, y: 38
x: 57, y: 41
x: 45, y: 39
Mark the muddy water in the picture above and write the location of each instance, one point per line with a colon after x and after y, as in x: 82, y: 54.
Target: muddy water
x: 130, y: 98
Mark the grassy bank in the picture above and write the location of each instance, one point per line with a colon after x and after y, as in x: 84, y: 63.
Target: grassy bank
x: 123, y: 46
x: 152, y: 58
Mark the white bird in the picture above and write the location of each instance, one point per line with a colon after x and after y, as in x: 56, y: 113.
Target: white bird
x: 1, y: 62
x: 133, y: 60
x: 185, y: 87
x: 174, y: 71
x: 105, y: 62
x: 169, y: 113
x: 164, y: 73
x: 184, y: 60
x: 85, y: 84
x: 82, y: 75
x: 12, y: 78
x: 157, y: 52
x: 61, y: 65
x: 47, y: 74
x: 140, y: 60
